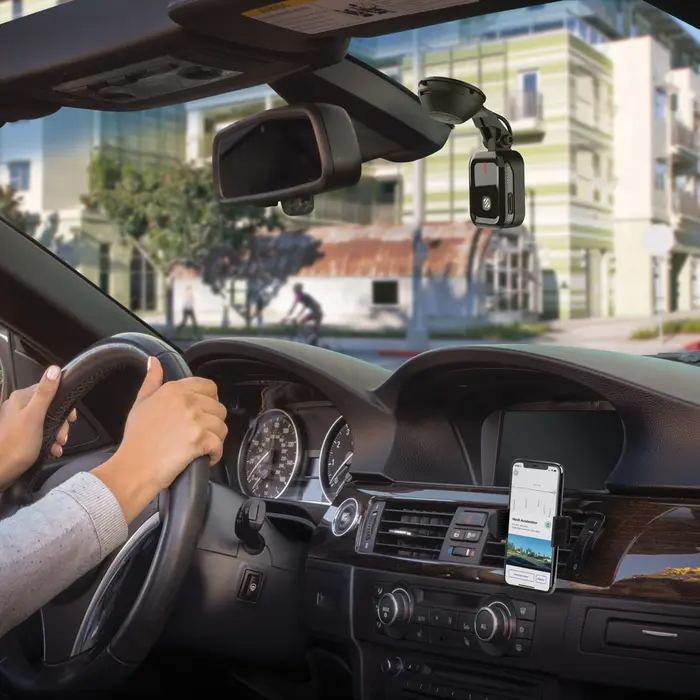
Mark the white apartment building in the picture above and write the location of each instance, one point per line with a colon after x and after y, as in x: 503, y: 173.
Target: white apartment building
x: 656, y: 158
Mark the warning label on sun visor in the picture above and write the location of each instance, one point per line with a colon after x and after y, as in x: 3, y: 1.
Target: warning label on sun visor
x: 319, y: 16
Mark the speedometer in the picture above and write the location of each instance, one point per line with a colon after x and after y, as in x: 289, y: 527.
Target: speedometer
x: 270, y: 455
x: 336, y: 458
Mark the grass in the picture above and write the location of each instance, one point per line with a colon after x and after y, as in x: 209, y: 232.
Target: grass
x: 509, y: 332
x: 687, y: 326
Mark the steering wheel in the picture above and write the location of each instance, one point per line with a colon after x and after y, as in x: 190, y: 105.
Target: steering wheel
x: 82, y: 652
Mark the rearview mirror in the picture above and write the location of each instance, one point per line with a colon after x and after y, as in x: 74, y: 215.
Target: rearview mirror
x: 289, y: 153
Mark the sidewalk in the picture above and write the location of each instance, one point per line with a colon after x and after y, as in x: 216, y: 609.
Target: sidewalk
x: 601, y: 333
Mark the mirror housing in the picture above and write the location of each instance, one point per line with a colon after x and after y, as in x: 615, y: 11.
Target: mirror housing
x: 288, y: 153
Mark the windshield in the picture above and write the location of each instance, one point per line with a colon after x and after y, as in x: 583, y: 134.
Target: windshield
x: 603, y: 99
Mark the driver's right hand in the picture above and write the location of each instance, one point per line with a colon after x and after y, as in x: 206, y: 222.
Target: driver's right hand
x: 169, y: 426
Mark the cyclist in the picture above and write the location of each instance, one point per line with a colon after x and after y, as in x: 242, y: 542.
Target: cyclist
x: 309, y: 315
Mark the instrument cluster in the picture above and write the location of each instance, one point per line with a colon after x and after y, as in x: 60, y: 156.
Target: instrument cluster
x: 297, y: 453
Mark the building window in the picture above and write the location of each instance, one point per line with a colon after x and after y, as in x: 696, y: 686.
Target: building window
x: 17, y: 9
x: 104, y: 265
x: 19, y: 175
x: 385, y: 292
x: 660, y: 174
x: 529, y: 82
x: 596, y: 165
x: 660, y: 103
x: 674, y: 102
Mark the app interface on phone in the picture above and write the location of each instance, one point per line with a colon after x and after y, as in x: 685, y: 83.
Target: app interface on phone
x: 533, y: 506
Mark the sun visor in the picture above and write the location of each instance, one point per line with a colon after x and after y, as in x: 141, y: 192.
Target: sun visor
x: 123, y: 55
x: 293, y: 20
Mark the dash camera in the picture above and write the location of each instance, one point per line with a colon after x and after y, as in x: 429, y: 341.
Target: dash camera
x: 497, y: 189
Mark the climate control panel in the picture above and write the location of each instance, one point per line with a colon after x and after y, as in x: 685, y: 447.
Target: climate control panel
x: 493, y: 625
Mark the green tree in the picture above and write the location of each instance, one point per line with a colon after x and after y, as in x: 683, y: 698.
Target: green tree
x: 173, y: 211
x: 11, y: 210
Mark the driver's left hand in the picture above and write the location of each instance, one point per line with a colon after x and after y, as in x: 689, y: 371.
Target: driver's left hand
x: 22, y: 418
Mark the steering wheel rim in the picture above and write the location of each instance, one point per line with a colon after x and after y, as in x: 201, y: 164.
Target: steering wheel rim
x: 182, y: 515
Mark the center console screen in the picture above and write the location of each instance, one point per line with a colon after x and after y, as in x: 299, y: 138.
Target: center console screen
x: 587, y: 443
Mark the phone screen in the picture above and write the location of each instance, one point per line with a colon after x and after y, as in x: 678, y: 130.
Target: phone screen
x: 535, y: 500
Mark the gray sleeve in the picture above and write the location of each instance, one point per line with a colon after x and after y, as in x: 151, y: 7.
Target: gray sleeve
x: 48, y: 545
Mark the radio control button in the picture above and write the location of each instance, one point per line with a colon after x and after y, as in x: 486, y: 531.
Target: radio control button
x: 421, y: 615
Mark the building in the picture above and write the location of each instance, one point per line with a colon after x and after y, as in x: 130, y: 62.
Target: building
x: 655, y: 152
x: 363, y: 276
x: 558, y: 73
x: 47, y: 162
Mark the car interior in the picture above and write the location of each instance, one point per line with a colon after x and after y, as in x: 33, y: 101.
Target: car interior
x: 368, y: 561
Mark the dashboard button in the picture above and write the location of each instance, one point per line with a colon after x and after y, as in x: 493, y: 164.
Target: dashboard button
x: 421, y: 615
x: 524, y: 610
x: 445, y: 638
x: 461, y: 551
x: 379, y: 589
x: 446, y: 619
x: 467, y: 518
x: 465, y: 622
x: 417, y: 633
x: 472, y: 535
x: 379, y: 627
x: 485, y: 624
x: 469, y: 642
x: 524, y: 629
x: 457, y: 534
x: 520, y: 648
x: 249, y: 590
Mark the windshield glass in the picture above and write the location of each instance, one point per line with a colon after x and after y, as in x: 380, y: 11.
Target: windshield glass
x: 603, y: 98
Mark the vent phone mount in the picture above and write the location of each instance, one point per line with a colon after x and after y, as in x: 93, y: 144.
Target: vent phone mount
x: 562, y: 530
x: 496, y: 175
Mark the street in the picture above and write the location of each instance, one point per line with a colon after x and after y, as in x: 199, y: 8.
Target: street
x: 611, y: 334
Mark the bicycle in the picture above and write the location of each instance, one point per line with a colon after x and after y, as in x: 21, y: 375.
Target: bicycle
x: 302, y: 333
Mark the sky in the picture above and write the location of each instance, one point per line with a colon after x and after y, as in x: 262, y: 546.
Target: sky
x: 695, y: 33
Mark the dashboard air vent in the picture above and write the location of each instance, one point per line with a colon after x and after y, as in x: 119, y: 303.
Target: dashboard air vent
x: 413, y: 530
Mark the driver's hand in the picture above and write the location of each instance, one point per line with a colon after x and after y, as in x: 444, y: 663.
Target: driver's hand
x: 22, y: 418
x: 169, y: 426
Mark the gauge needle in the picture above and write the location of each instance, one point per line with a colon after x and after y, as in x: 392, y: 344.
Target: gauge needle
x: 257, y: 466
x: 340, y: 468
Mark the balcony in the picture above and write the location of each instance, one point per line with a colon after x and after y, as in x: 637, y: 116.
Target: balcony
x: 525, y: 112
x: 684, y: 144
x: 686, y: 206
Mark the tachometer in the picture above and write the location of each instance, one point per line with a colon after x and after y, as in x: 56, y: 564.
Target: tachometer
x: 270, y: 455
x: 336, y: 458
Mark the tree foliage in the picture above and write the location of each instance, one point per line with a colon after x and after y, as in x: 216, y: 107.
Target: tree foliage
x: 172, y: 210
x: 11, y: 210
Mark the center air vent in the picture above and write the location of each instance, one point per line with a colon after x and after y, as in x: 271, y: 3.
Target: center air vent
x: 413, y: 530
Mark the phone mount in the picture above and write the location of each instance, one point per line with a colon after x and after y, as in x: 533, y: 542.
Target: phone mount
x: 496, y: 175
x: 562, y: 529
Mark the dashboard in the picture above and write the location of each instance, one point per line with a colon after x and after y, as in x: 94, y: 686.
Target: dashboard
x: 402, y: 481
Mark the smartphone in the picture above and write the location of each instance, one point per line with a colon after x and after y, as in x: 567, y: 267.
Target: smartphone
x: 536, y: 490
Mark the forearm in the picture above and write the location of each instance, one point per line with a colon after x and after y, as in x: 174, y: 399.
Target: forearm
x: 47, y: 546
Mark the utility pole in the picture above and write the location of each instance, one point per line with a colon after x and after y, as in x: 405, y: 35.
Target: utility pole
x: 417, y: 336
